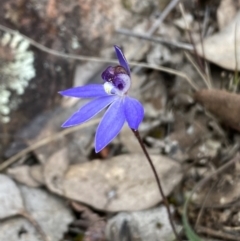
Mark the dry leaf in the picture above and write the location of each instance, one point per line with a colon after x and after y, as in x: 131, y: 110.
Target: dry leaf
x: 186, y: 137
x: 22, y: 174
x: 124, y: 182
x: 76, y: 141
x: 226, y: 12
x: 46, y: 126
x: 178, y: 143
x: 226, y: 192
x: 54, y: 170
x: 224, y: 105
x: 207, y: 148
x: 36, y: 172
x: 159, y: 55
x: 220, y: 48
x: 184, y: 22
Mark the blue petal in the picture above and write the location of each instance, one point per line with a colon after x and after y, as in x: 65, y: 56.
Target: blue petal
x: 110, y: 125
x: 134, y: 112
x: 122, y: 60
x: 87, y: 91
x: 89, y: 110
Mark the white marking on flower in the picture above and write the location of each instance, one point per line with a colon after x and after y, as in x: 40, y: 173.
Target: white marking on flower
x: 108, y: 87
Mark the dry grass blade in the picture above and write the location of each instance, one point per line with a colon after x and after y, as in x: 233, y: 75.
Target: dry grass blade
x: 45, y: 141
x: 177, y: 44
x: 164, y: 14
x: 100, y: 60
x: 203, y: 205
x: 198, y: 70
x: 216, y: 172
x: 199, y: 185
x: 236, y: 77
x: 218, y: 234
x: 167, y: 70
x: 36, y: 225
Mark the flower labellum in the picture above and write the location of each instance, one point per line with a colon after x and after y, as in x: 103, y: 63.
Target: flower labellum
x: 111, y: 94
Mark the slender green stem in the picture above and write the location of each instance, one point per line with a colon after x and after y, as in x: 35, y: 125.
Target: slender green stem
x: 136, y: 133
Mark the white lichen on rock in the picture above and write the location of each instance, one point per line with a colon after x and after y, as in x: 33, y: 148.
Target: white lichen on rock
x: 16, y: 70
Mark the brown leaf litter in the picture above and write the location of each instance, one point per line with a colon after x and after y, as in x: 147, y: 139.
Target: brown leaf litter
x: 224, y: 105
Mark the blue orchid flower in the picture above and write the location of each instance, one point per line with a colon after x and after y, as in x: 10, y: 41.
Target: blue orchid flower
x: 112, y: 94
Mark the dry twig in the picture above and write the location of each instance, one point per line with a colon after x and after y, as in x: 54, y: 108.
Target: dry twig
x: 190, y: 59
x: 180, y: 45
x: 36, y: 225
x: 206, y: 80
x: 45, y: 141
x: 210, y: 176
x: 218, y: 234
x: 100, y: 60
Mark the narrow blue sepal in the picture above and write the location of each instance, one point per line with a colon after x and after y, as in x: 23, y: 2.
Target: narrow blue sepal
x: 121, y: 58
x: 89, y: 110
x: 87, y: 91
x: 110, y: 125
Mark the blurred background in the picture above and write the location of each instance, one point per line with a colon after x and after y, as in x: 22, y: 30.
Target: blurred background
x: 53, y: 186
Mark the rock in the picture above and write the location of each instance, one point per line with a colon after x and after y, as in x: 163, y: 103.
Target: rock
x: 150, y: 225
x: 125, y: 182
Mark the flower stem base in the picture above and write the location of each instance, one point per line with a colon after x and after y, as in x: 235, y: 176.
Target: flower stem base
x: 136, y: 133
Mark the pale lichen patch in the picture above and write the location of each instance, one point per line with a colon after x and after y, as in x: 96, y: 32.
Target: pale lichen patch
x: 16, y: 70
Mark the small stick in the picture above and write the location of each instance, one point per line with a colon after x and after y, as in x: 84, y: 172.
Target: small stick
x: 36, y: 225
x: 207, y: 178
x: 198, y: 70
x: 203, y: 205
x: 218, y: 234
x: 201, y: 34
x: 137, y: 135
x: 96, y: 59
x: 180, y: 45
x: 43, y: 142
x: 164, y: 14
x: 191, y: 39
x: 155, y: 26
x: 215, y: 173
